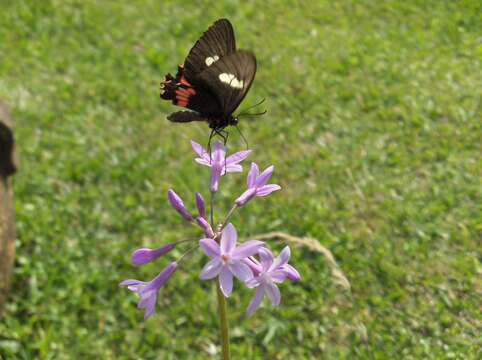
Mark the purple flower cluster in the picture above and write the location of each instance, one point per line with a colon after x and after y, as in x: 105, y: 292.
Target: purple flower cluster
x: 250, y: 262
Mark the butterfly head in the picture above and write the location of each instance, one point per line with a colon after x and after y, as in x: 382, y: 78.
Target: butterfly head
x: 233, y: 120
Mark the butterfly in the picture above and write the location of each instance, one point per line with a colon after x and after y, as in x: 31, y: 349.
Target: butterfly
x: 213, y: 80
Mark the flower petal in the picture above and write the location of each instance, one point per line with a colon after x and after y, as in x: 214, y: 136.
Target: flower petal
x: 205, y: 162
x: 246, y: 196
x: 237, y: 157
x: 282, y: 258
x: 246, y: 249
x: 150, y: 307
x: 147, y: 298
x: 267, y: 189
x: 148, y: 303
x: 291, y: 272
x: 200, y: 151
x: 253, y: 282
x: 253, y: 175
x: 210, y: 247
x: 278, y: 276
x: 240, y: 270
x: 264, y: 176
x: 131, y: 282
x: 233, y: 168
x: 273, y: 293
x: 219, y: 153
x: 139, y: 288
x: 228, y: 239
x: 211, y: 269
x: 253, y: 264
x: 266, y: 258
x: 215, y: 175
x: 256, y: 301
x: 226, y: 281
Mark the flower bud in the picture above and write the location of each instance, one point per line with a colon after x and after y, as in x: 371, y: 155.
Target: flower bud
x: 145, y: 255
x: 208, y: 231
x: 200, y: 204
x: 178, y: 205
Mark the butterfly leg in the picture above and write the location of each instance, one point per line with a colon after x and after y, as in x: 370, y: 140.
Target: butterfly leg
x: 213, y: 132
x: 224, y: 135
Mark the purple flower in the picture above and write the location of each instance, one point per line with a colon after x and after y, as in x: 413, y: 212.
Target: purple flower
x: 227, y: 259
x: 178, y: 205
x: 257, y: 184
x: 148, y: 290
x: 273, y: 271
x: 146, y: 255
x: 218, y: 162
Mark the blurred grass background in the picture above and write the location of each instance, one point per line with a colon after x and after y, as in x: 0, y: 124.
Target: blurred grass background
x: 374, y: 125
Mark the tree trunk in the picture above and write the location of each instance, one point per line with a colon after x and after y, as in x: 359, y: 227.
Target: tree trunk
x: 7, y: 225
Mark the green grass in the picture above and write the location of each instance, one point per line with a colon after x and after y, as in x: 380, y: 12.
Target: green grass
x: 374, y: 125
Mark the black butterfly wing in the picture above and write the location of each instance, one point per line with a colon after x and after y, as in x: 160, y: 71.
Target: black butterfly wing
x: 185, y: 116
x: 182, y: 93
x: 216, y: 42
x: 230, y: 78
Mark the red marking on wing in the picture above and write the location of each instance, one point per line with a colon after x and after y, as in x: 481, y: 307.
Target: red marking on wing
x: 183, y: 93
x: 184, y: 82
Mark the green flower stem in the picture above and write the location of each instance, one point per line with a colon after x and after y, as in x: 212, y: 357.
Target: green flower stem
x: 223, y: 317
x: 235, y: 206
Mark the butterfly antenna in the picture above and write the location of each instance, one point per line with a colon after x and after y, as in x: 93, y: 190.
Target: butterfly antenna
x: 244, y: 112
x: 242, y: 136
x: 254, y: 114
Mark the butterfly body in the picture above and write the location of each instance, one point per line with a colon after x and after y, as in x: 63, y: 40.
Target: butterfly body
x: 213, y: 80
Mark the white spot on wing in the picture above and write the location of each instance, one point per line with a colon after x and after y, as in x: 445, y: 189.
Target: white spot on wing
x: 231, y: 80
x: 211, y: 60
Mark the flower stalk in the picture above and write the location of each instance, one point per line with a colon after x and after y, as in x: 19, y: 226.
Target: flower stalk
x: 222, y: 305
x: 230, y: 213
x: 223, y: 323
